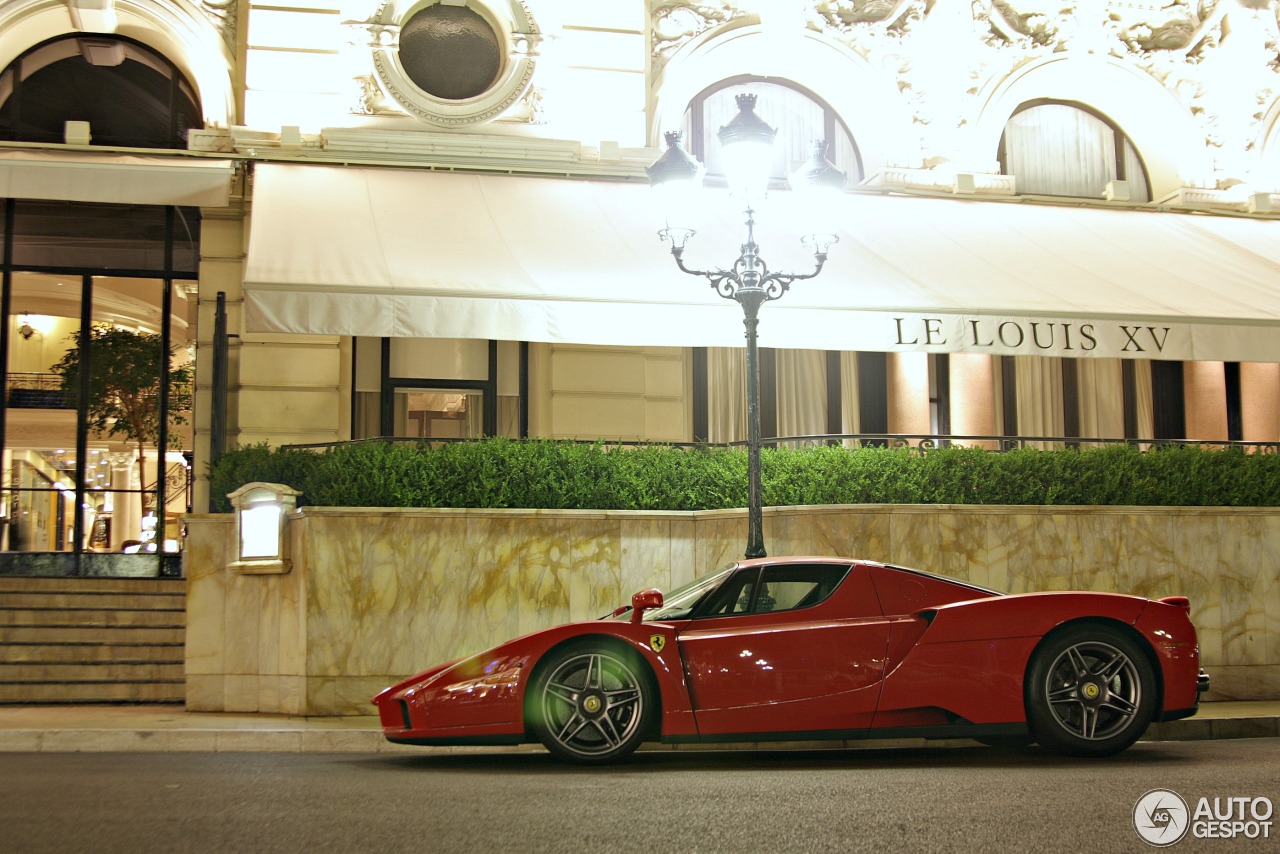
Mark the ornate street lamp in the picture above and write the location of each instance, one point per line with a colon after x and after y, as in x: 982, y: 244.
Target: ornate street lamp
x: 747, y: 143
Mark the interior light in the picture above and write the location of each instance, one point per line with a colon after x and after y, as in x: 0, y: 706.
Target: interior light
x: 31, y: 324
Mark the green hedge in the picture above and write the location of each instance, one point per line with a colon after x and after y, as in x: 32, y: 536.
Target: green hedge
x: 557, y: 475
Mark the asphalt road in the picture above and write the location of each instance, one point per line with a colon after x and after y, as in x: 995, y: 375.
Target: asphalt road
x: 930, y: 800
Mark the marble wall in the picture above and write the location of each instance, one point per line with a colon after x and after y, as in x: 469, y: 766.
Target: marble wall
x: 375, y: 595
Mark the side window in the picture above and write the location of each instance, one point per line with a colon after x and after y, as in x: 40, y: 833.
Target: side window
x: 782, y: 588
x: 734, y: 597
x: 786, y: 588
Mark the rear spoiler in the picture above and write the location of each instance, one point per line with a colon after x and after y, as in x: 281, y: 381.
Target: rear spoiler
x: 1178, y: 602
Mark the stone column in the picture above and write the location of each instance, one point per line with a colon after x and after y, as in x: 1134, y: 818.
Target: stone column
x: 908, y: 381
x: 1260, y: 401
x: 126, y: 507
x: 973, y: 405
x: 1205, y: 386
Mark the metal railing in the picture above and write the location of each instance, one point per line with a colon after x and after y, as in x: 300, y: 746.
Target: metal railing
x: 920, y: 442
x: 35, y: 390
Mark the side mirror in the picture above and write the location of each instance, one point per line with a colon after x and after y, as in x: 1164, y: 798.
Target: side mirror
x: 644, y: 601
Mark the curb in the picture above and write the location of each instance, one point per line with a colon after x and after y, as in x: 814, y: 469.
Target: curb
x: 320, y: 740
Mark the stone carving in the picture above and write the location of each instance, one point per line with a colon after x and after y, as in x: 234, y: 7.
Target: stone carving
x: 370, y: 99
x: 676, y: 23
x: 1122, y: 27
x: 1214, y: 56
x: 529, y: 109
x: 223, y: 15
x: 844, y: 15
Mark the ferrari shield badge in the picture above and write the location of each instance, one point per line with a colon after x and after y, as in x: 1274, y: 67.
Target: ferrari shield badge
x: 657, y: 642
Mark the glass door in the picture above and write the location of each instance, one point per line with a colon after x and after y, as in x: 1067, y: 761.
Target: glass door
x: 97, y: 369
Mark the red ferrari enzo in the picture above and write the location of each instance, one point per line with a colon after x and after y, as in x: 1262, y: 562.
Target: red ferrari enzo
x: 818, y: 648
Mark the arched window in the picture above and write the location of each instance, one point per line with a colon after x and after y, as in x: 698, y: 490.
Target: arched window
x: 799, y: 116
x: 129, y: 95
x: 1064, y: 149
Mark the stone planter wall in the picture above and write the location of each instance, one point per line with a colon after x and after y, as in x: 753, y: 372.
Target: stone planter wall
x: 377, y: 594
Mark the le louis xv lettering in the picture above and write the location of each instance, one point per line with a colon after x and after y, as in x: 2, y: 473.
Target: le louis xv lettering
x: 1032, y: 334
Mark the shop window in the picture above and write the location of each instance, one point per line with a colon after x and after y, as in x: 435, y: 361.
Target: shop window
x: 438, y: 413
x: 439, y: 388
x: 92, y: 470
x: 1065, y: 149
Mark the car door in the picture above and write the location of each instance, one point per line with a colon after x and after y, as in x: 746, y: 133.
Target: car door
x: 787, y: 648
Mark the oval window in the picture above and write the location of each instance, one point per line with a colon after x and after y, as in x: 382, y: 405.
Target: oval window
x: 450, y: 52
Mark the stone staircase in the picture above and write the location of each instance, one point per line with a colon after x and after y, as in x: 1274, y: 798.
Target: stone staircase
x: 92, y: 640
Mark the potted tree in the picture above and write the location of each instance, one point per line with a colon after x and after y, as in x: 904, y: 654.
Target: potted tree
x: 124, y: 390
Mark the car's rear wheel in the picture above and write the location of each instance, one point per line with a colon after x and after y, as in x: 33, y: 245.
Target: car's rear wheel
x: 1091, y: 692
x: 592, y: 703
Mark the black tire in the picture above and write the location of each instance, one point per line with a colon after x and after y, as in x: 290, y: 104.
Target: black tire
x: 592, y: 703
x: 1091, y: 691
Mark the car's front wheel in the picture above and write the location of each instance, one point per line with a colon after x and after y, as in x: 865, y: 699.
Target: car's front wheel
x: 591, y: 703
x: 1091, y: 691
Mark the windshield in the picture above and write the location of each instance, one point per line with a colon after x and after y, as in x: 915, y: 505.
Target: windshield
x: 679, y: 603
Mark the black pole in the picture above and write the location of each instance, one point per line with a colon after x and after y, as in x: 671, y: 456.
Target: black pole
x: 84, y: 354
x: 162, y: 433
x: 751, y: 299
x: 218, y: 395
x: 6, y: 311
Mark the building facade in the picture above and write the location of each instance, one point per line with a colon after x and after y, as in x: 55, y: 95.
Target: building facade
x: 433, y: 219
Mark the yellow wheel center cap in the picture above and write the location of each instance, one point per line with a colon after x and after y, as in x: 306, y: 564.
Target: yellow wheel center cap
x: 591, y: 705
x: 1090, y: 691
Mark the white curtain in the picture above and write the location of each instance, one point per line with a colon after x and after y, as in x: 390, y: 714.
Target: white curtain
x: 726, y: 394
x: 1059, y: 150
x: 1039, y: 385
x: 850, y: 412
x: 509, y: 415
x: 802, y: 392
x: 474, y: 414
x: 1145, y: 399
x: 368, y: 414
x: 1101, y: 398
x: 1134, y: 174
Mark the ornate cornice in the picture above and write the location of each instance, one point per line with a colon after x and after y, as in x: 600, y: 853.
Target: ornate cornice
x: 674, y: 23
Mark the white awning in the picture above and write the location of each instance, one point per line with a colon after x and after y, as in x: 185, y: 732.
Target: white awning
x: 393, y: 252
x: 114, y: 178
